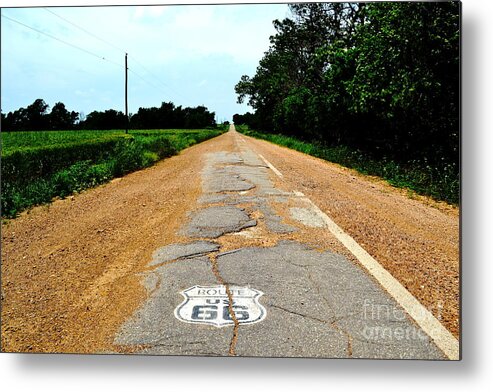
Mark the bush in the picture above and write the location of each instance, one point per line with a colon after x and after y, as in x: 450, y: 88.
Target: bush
x: 34, y: 175
x: 150, y: 158
x: 28, y: 163
x: 80, y: 176
x: 162, y: 146
x: 128, y: 156
x: 16, y: 198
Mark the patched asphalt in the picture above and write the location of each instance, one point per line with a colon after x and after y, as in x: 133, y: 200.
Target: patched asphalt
x: 216, y: 221
x: 319, y: 304
x: 180, y: 251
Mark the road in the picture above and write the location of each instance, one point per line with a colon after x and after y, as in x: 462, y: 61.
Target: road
x: 235, y: 247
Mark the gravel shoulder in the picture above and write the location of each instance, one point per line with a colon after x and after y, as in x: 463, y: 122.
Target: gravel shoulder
x: 416, y: 239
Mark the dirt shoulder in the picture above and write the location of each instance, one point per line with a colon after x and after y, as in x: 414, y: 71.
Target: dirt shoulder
x: 416, y: 240
x: 68, y: 268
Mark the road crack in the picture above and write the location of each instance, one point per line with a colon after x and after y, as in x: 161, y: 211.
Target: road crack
x: 300, y: 314
x: 181, y: 258
x: 234, y: 338
x: 333, y: 324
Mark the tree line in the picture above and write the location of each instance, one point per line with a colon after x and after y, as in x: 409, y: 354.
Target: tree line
x: 37, y: 117
x: 379, y: 77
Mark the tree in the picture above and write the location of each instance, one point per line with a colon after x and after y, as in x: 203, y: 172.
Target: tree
x: 289, y: 91
x: 109, y: 119
x: 380, y: 77
x: 169, y: 116
x: 407, y: 78
x: 61, y: 118
x: 36, y: 115
x: 248, y: 118
x: 32, y: 118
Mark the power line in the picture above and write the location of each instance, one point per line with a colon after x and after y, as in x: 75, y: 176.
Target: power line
x: 84, y: 30
x: 95, y: 54
x: 63, y: 41
x: 155, y: 77
x: 85, y: 51
x: 120, y: 49
x: 147, y: 81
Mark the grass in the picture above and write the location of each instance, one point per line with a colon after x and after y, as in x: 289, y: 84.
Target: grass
x: 441, y: 183
x: 38, y: 166
x: 12, y: 141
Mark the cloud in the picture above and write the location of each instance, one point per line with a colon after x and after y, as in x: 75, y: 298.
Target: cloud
x: 85, y: 93
x: 195, y: 19
x: 149, y: 12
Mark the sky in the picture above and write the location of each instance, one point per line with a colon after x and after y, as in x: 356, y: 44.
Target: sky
x: 189, y: 54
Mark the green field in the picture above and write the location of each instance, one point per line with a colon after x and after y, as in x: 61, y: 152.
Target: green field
x: 12, y: 141
x: 38, y: 166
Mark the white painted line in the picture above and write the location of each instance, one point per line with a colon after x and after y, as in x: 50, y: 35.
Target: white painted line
x: 271, y: 166
x: 423, y: 317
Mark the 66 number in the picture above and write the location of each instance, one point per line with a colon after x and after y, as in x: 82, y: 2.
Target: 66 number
x: 212, y: 310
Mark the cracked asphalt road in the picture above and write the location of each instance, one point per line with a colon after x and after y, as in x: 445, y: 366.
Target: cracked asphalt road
x: 319, y: 303
x: 210, y: 252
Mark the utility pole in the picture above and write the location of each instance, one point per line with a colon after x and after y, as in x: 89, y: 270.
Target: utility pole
x: 126, y: 93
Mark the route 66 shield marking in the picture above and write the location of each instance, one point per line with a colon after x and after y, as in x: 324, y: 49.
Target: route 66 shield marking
x: 210, y: 305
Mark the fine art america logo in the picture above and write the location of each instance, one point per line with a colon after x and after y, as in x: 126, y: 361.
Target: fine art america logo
x: 210, y: 305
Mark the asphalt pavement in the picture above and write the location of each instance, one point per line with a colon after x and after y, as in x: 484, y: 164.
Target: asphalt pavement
x: 244, y: 281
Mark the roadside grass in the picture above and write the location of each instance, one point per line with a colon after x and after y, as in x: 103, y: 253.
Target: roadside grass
x: 441, y: 183
x: 15, y: 140
x: 38, y: 166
